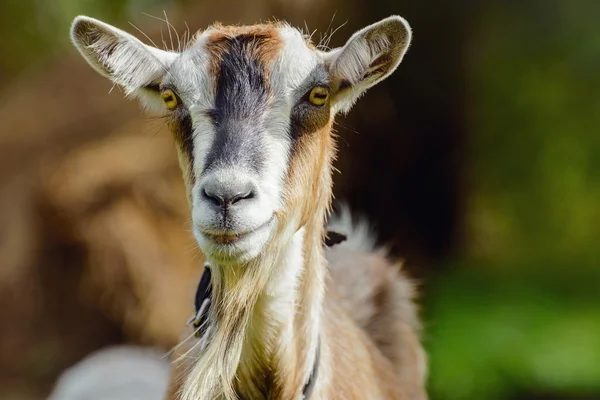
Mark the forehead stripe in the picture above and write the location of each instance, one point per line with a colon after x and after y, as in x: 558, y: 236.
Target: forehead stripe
x: 241, y: 82
x: 242, y: 93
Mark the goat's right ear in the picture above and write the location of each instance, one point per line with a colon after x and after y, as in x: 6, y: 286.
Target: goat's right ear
x: 368, y: 57
x: 122, y: 58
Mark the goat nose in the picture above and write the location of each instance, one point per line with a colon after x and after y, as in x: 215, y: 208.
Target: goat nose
x: 227, y: 195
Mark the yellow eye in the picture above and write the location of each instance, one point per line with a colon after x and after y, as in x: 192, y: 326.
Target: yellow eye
x: 318, y: 96
x: 169, y: 98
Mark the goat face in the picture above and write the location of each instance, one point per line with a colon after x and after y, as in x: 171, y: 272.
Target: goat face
x: 251, y: 109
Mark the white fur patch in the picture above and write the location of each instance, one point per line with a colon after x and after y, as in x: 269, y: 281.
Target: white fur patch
x: 360, y: 235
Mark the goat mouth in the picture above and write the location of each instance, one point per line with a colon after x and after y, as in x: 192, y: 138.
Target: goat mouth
x: 228, y: 238
x: 225, y: 238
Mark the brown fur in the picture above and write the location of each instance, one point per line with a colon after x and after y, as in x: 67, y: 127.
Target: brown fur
x: 265, y: 46
x: 373, y: 290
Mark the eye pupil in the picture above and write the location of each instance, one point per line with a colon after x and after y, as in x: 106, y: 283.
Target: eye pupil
x: 169, y: 99
x: 318, y: 96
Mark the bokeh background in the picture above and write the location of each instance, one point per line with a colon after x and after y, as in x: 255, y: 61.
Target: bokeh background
x: 478, y: 161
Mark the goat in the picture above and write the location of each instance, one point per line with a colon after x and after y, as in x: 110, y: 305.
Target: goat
x: 252, y: 109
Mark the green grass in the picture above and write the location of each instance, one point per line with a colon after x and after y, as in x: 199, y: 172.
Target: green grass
x: 495, y: 335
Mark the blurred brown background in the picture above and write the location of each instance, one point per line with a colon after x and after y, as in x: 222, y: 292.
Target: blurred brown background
x: 478, y: 161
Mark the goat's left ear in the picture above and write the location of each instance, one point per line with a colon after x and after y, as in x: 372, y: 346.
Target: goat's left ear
x: 368, y: 57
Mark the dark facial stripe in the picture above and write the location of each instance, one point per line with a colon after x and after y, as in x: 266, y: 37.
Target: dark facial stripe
x: 241, y: 96
x: 181, y: 126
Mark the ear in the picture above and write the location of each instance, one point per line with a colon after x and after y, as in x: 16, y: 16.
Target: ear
x: 122, y: 58
x: 368, y: 57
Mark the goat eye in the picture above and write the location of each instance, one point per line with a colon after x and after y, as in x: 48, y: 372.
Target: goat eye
x: 318, y: 96
x: 169, y: 98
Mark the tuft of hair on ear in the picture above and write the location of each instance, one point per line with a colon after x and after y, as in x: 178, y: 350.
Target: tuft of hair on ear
x: 369, y: 56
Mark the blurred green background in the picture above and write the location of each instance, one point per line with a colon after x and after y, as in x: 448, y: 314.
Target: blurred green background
x: 479, y: 160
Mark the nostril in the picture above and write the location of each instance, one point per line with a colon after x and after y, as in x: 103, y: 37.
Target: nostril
x: 245, y: 196
x: 226, y: 194
x: 213, y: 198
